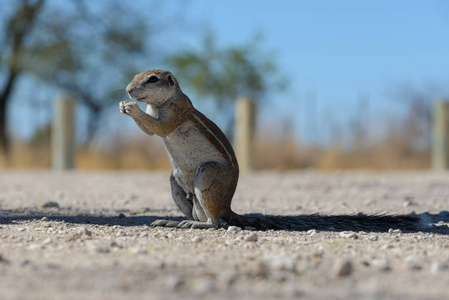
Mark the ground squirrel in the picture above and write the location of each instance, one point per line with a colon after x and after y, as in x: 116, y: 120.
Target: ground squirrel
x: 205, y: 169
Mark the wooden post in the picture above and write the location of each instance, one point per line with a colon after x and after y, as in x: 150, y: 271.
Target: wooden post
x: 244, y: 133
x: 63, y: 133
x: 440, y: 146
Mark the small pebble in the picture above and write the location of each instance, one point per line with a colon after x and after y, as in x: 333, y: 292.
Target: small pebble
x: 50, y: 204
x: 138, y: 250
x: 175, y: 282
x: 170, y: 235
x: 381, y: 264
x: 408, y: 203
x: 227, y: 277
x: 36, y: 247
x: 373, y: 238
x: 262, y: 269
x: 251, y: 238
x: 46, y: 241
x: 120, y: 233
x: 349, y: 235
x: 281, y: 263
x: 3, y: 260
x: 101, y: 249
x: 343, y: 268
x: 45, y: 219
x: 394, y: 231
x: 413, y: 262
x: 197, y: 239
x: 234, y: 229
x: 440, y: 266
x: 204, y: 286
x: 121, y: 216
x: 387, y: 246
x: 317, y: 253
x: 396, y: 238
x: 312, y: 232
x: 85, y: 231
x: 114, y: 244
x: 142, y: 234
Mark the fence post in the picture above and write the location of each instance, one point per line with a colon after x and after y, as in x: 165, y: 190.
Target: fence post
x: 244, y: 133
x: 63, y: 133
x: 440, y: 136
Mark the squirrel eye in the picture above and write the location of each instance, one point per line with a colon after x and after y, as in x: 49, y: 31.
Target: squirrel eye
x: 152, y: 79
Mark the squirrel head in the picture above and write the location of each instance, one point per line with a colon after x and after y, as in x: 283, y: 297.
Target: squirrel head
x: 153, y: 87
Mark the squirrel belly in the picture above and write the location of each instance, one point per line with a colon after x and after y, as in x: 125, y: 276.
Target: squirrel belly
x: 188, y: 149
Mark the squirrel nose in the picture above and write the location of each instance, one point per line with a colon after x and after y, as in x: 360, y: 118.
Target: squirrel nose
x: 129, y: 88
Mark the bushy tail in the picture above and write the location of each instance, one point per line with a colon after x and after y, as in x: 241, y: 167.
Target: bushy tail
x: 359, y: 222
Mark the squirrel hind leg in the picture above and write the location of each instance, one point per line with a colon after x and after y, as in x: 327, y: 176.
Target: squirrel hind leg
x: 214, y: 189
x: 202, y: 218
x: 181, y: 198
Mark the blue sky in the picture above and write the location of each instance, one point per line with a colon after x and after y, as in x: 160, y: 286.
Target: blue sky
x: 340, y: 44
x: 337, y: 52
x: 333, y: 52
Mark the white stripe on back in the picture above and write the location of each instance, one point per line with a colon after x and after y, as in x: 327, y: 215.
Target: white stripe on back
x: 218, y: 140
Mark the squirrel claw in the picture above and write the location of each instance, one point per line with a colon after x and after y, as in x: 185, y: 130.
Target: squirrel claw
x: 186, y: 224
x: 129, y: 108
x: 165, y: 223
x: 122, y: 107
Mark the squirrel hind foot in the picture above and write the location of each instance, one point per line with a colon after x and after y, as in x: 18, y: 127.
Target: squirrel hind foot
x: 186, y: 224
x: 165, y: 223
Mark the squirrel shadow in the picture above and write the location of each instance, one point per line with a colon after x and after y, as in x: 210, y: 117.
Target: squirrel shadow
x: 424, y: 222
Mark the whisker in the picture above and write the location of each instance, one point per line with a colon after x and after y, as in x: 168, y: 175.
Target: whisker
x: 121, y: 93
x: 117, y: 78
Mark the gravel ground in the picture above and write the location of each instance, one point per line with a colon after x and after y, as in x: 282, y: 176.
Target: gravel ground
x: 82, y: 235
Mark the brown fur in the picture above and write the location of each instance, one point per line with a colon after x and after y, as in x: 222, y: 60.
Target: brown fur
x: 205, y: 169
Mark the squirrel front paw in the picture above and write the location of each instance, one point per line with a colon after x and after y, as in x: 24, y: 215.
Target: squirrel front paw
x: 129, y: 108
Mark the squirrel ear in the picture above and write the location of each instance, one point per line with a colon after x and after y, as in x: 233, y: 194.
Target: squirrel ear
x: 171, y: 81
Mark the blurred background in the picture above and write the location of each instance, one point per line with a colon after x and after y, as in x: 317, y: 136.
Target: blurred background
x: 335, y: 84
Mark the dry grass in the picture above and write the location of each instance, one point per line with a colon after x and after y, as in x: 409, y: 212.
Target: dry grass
x: 382, y: 157
x: 141, y: 154
x: 24, y: 156
x: 137, y: 154
x: 271, y: 153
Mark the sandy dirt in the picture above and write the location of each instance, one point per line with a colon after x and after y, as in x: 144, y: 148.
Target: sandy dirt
x: 78, y: 235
